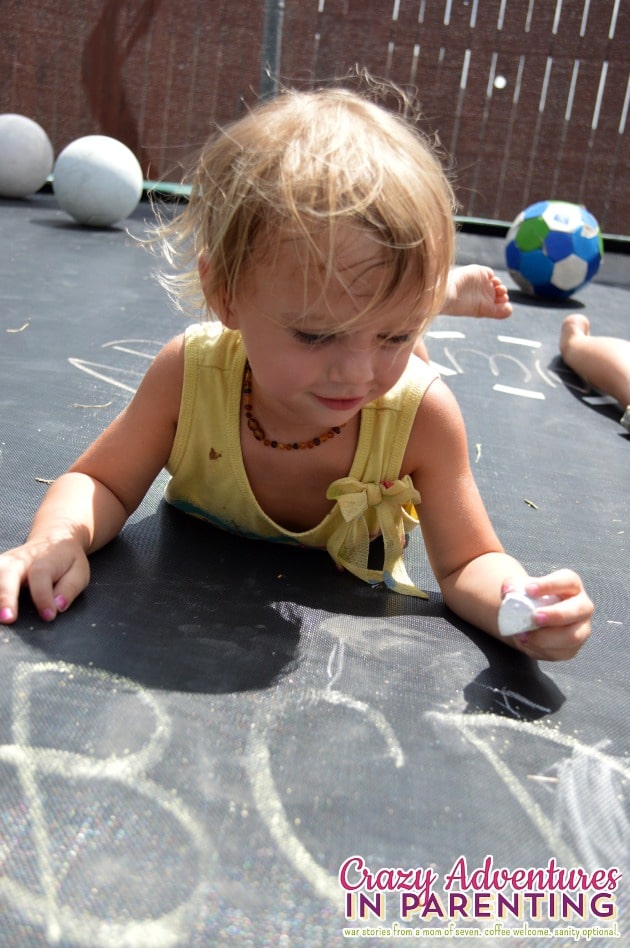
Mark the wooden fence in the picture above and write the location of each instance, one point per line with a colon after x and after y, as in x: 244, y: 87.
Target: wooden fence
x: 530, y: 97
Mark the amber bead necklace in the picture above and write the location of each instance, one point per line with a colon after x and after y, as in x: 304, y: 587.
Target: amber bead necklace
x: 259, y: 434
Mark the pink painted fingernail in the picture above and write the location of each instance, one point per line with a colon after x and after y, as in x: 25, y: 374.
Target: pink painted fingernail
x: 6, y: 615
x: 541, y: 618
x: 61, y: 602
x: 47, y: 615
x: 522, y: 637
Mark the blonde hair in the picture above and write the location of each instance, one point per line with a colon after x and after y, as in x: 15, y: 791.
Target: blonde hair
x: 307, y: 162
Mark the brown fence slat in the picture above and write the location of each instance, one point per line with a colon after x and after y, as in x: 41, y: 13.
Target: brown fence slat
x: 529, y: 96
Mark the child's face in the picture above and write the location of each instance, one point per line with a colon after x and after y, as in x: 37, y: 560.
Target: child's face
x: 314, y: 363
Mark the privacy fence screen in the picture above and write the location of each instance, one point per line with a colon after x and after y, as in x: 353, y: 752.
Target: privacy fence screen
x: 529, y: 97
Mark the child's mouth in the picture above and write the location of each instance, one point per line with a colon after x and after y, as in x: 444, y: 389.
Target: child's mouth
x: 340, y: 404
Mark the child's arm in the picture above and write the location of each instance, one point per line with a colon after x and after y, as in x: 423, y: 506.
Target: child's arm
x: 87, y: 507
x: 465, y: 554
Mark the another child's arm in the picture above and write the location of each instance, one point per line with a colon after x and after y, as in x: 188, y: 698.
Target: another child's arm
x: 473, y: 570
x: 87, y: 506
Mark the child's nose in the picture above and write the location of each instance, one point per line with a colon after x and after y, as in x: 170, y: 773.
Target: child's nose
x: 353, y: 366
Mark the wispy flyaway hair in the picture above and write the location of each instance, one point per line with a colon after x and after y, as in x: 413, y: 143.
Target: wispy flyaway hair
x: 306, y: 162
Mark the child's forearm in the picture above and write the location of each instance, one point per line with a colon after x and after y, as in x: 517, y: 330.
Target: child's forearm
x: 474, y: 591
x: 81, y: 508
x: 562, y: 622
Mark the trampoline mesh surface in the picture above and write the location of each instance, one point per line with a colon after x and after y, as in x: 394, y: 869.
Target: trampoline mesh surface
x: 189, y: 755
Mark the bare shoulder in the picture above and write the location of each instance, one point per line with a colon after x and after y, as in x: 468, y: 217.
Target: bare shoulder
x: 438, y: 434
x: 438, y: 407
x: 164, y: 379
x: 169, y: 362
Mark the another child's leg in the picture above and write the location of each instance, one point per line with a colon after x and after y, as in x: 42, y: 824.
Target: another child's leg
x: 475, y: 290
x: 603, y: 361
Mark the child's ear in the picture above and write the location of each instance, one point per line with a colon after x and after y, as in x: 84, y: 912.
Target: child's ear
x: 216, y: 301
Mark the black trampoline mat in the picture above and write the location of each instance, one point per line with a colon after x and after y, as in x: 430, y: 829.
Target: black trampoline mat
x: 191, y: 753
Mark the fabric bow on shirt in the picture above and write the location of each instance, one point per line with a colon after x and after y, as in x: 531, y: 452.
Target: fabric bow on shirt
x: 368, y: 509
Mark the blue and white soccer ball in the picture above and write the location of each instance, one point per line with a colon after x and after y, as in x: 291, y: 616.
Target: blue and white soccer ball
x: 553, y: 248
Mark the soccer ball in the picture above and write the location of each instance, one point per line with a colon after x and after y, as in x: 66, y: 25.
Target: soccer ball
x: 553, y: 248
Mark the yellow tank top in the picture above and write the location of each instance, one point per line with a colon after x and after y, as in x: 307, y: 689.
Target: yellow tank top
x: 208, y: 477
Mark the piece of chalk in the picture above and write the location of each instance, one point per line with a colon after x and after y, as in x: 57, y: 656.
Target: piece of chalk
x: 517, y: 612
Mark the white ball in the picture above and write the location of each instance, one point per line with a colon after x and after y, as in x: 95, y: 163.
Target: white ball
x: 97, y: 180
x: 26, y: 155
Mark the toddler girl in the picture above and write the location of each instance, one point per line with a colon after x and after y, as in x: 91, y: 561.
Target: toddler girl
x: 320, y: 235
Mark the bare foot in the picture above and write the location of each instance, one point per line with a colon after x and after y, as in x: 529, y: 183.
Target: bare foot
x: 475, y: 290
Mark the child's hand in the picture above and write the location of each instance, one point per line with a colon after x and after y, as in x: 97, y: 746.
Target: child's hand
x: 56, y: 571
x: 562, y: 627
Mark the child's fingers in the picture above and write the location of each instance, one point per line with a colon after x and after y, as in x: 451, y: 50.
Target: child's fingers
x: 563, y: 629
x: 11, y: 572
x: 55, y: 575
x: 562, y: 614
x: 72, y: 584
x: 574, y: 611
x: 562, y: 582
x: 56, y: 580
x: 553, y: 644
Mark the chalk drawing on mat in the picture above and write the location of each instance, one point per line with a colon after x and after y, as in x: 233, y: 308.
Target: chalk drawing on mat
x: 510, y: 700
x: 267, y: 797
x: 578, y: 830
x: 513, y: 390
x: 458, y: 356
x: 493, y: 361
x: 586, y: 823
x: 124, y: 377
x: 571, y: 820
x: 43, y: 904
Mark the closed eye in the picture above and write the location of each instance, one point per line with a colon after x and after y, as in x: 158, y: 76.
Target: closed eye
x: 403, y: 339
x: 324, y: 338
x: 313, y: 338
